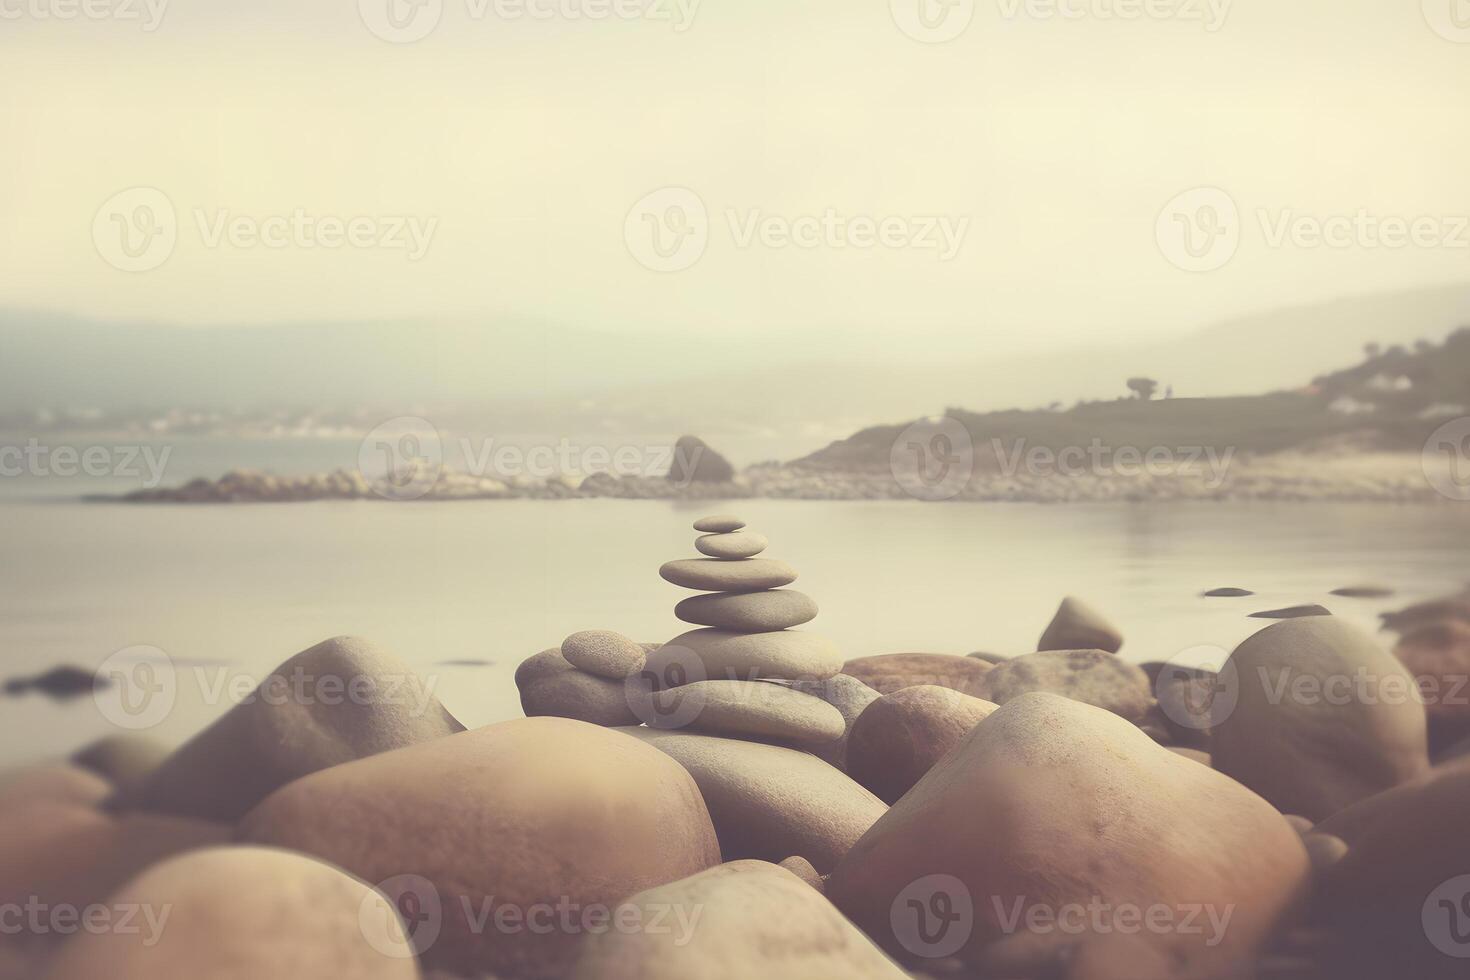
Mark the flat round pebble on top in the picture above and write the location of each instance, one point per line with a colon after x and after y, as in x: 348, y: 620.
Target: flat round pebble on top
x: 719, y: 523
x: 604, y: 653
x: 736, y: 544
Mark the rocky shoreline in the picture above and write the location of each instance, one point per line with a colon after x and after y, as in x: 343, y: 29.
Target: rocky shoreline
x: 1386, y: 477
x: 740, y: 801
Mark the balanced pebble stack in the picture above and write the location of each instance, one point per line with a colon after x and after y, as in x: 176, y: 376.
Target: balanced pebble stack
x: 715, y: 679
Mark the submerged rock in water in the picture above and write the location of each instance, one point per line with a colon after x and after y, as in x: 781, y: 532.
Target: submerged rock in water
x: 1292, y: 612
x: 1363, y: 592
x: 61, y: 683
x: 126, y: 761
x: 1077, y: 626
x: 1226, y: 593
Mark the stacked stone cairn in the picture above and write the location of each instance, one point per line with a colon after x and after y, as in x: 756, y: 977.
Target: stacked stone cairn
x: 737, y: 675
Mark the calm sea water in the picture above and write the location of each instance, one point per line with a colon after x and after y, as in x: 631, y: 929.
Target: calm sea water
x: 231, y: 590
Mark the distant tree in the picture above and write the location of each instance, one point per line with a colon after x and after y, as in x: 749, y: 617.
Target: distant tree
x: 1371, y: 350
x: 1169, y: 392
x: 1054, y: 407
x: 1144, y: 388
x: 1423, y: 346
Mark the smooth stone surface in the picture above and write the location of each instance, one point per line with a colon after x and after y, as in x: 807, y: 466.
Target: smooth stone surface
x: 770, y: 802
x: 1077, y: 626
x: 1050, y: 802
x: 750, y: 612
x: 52, y: 783
x: 747, y: 708
x: 1226, y: 593
x: 526, y: 811
x: 1186, y: 697
x: 719, y: 524
x: 1322, y: 717
x: 803, y: 869
x: 62, y: 854
x: 762, y: 922
x: 244, y: 912
x: 1432, y: 611
x: 1194, y: 755
x: 1398, y: 888
x: 714, y: 575
x: 550, y: 686
x: 1324, y: 851
x: 1091, y: 676
x: 1363, y: 592
x: 125, y: 761
x: 604, y: 653
x: 889, y: 672
x: 902, y: 735
x: 726, y: 655
x: 1438, y: 656
x: 1292, y: 612
x: 849, y: 696
x: 735, y: 544
x: 340, y: 700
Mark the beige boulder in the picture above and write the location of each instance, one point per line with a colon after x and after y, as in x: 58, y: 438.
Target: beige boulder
x: 52, y: 783
x: 747, y: 709
x: 727, y: 655
x: 1093, y: 677
x: 769, y: 801
x: 902, y: 735
x: 551, y: 686
x: 1051, y: 805
x: 889, y: 672
x: 507, y: 817
x: 761, y: 922
x: 1320, y: 716
x: 850, y: 697
x: 755, y: 612
x: 239, y: 913
x: 1438, y: 656
x: 1077, y: 626
x: 718, y: 575
x: 125, y: 761
x: 731, y: 544
x: 338, y: 701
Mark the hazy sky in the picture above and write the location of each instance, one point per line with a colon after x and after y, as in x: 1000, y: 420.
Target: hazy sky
x: 515, y: 147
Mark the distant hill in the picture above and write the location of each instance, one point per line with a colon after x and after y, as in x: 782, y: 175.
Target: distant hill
x: 1390, y: 402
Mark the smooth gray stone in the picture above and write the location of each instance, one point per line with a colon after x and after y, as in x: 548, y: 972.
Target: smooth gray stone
x: 740, y: 708
x: 719, y: 524
x: 714, y: 575
x: 735, y: 544
x: 753, y: 612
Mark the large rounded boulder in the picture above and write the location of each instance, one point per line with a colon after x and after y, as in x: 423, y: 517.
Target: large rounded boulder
x: 902, y: 735
x: 1093, y: 677
x: 242, y: 912
x: 338, y: 701
x: 500, y: 822
x: 750, y: 920
x: 889, y: 672
x: 770, y: 802
x: 1052, y: 811
x: 1319, y: 716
